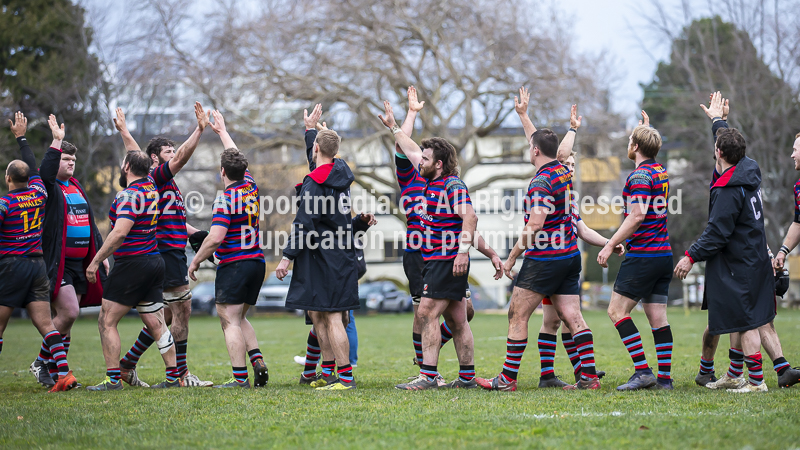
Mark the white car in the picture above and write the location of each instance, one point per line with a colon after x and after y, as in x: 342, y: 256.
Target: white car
x: 272, y: 295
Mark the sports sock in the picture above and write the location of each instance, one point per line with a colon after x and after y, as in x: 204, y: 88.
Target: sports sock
x: 633, y: 342
x: 328, y: 367
x: 429, y: 371
x: 514, y: 351
x: 240, y: 374
x: 706, y: 367
x: 180, y: 357
x: 416, y: 339
x: 143, y: 342
x: 65, y: 339
x: 172, y: 374
x: 466, y: 373
x: 255, y: 355
x: 345, y: 373
x: 662, y: 337
x: 44, y: 353
x: 53, y: 369
x: 584, y: 341
x: 754, y: 370
x: 1, y: 345
x: 736, y: 368
x: 114, y: 374
x: 572, y: 352
x: 446, y: 334
x: 780, y: 365
x: 547, y: 354
x: 53, y: 340
x: 312, y: 355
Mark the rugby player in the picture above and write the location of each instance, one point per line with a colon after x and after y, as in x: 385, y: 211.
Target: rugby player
x: 23, y: 274
x: 172, y: 233
x: 235, y: 238
x: 646, y: 272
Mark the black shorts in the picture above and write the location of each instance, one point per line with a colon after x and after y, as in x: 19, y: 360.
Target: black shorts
x: 439, y: 282
x: 554, y: 277
x: 645, y: 279
x: 135, y: 279
x: 239, y: 282
x: 23, y: 279
x: 74, y: 275
x: 413, y: 264
x: 176, y: 269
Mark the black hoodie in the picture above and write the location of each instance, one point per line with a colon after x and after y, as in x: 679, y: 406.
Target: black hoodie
x: 739, y: 288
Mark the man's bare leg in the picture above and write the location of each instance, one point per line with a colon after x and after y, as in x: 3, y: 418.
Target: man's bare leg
x: 230, y: 318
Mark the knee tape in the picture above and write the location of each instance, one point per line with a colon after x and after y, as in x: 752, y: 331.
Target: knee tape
x: 415, y: 300
x: 149, y: 307
x: 165, y: 342
x: 177, y: 297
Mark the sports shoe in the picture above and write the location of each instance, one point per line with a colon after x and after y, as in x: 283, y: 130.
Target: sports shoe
x: 662, y: 385
x: 64, y: 383
x: 703, y: 379
x: 554, y: 382
x: 39, y: 370
x: 324, y: 380
x: 641, y: 379
x: 232, y: 383
x: 599, y: 373
x: 260, y: 373
x: 497, y: 384
x: 750, y: 387
x: 790, y: 377
x: 311, y: 379
x: 106, y: 385
x: 300, y: 360
x: 190, y: 380
x: 584, y: 383
x: 419, y: 383
x: 727, y: 382
x: 337, y: 386
x: 459, y: 384
x: 167, y: 384
x: 131, y: 377
x: 439, y: 380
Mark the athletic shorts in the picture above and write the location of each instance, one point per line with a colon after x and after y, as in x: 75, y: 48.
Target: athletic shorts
x: 645, y: 279
x: 176, y: 269
x: 74, y: 275
x: 556, y: 277
x: 135, y: 279
x: 239, y: 282
x: 23, y: 279
x: 413, y: 265
x: 439, y: 282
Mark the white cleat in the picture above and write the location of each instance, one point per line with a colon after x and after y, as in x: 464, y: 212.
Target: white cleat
x: 749, y: 387
x: 300, y: 360
x: 191, y: 380
x: 726, y: 382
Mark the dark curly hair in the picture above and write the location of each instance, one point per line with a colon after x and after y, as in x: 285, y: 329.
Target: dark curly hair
x: 155, y: 145
x: 234, y: 162
x: 731, y: 145
x: 445, y: 152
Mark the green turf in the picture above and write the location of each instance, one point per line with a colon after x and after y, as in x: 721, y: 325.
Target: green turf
x: 376, y: 415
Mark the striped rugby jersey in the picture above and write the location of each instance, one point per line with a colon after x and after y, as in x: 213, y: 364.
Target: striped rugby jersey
x: 21, y: 216
x: 78, y: 229
x: 237, y: 209
x: 797, y: 201
x: 412, y: 189
x: 649, y: 183
x: 551, y: 188
x: 139, y: 203
x: 171, y: 229
x: 437, y: 213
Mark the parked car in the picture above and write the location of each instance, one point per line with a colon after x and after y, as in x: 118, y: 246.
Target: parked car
x: 203, y: 298
x: 272, y: 295
x: 384, y: 296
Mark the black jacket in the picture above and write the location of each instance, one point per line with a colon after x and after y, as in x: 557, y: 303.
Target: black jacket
x: 739, y: 289
x: 54, y: 227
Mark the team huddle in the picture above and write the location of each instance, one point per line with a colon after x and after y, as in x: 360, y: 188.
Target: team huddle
x: 53, y: 260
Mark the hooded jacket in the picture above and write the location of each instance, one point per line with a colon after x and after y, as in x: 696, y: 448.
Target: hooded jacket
x: 740, y: 289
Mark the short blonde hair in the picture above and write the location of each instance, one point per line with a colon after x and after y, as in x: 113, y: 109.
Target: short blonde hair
x: 328, y: 142
x: 797, y: 135
x: 648, y: 139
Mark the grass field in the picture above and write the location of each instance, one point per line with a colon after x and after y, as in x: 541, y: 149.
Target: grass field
x: 285, y: 415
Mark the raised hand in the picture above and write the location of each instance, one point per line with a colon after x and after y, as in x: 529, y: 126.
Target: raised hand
x: 574, y: 118
x: 413, y: 104
x: 521, y: 102
x: 726, y: 108
x: 715, y: 107
x: 646, y: 121
x: 322, y: 126
x: 311, y: 120
x: 58, y: 132
x: 219, y: 122
x: 20, y: 124
x: 119, y: 121
x: 388, y: 121
x: 202, y: 117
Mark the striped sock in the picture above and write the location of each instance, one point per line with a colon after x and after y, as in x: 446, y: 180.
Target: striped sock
x: 547, y: 354
x: 65, y: 339
x: 44, y: 353
x: 172, y: 374
x: 240, y: 374
x: 446, y: 334
x: 143, y: 342
x: 328, y: 367
x: 416, y: 339
x: 572, y: 352
x: 754, y: 369
x: 1, y: 345
x: 633, y: 342
x: 663, y: 340
x: 780, y: 365
x: 514, y: 351
x: 255, y: 355
x: 466, y: 373
x: 114, y: 374
x: 312, y: 355
x: 180, y: 357
x: 345, y: 373
x: 584, y: 341
x: 52, y: 368
x: 53, y: 340
x: 736, y: 368
x: 429, y: 371
x: 706, y: 367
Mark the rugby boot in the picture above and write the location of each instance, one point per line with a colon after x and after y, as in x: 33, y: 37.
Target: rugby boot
x: 131, y: 377
x: 703, y: 379
x: 554, y: 382
x: 337, y: 385
x: 641, y: 379
x: 789, y: 378
x: 232, y: 383
x: 260, y: 373
x: 64, y: 383
x: 419, y: 383
x: 106, y: 385
x: 584, y: 384
x: 497, y: 384
x: 750, y: 387
x: 727, y: 382
x: 40, y: 372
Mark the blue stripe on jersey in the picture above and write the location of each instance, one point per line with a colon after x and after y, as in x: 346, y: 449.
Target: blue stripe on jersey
x: 412, y: 190
x: 551, y: 188
x: 171, y: 228
x: 21, y: 217
x: 649, y: 183
x: 442, y: 225
x: 139, y: 203
x: 237, y: 209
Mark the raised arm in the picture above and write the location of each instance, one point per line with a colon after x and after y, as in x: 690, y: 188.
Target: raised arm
x: 186, y: 150
x: 219, y: 127
x: 403, y: 143
x: 565, y: 148
x: 19, y: 127
x: 312, y: 125
x: 122, y: 127
x: 521, y: 106
x: 414, y: 107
